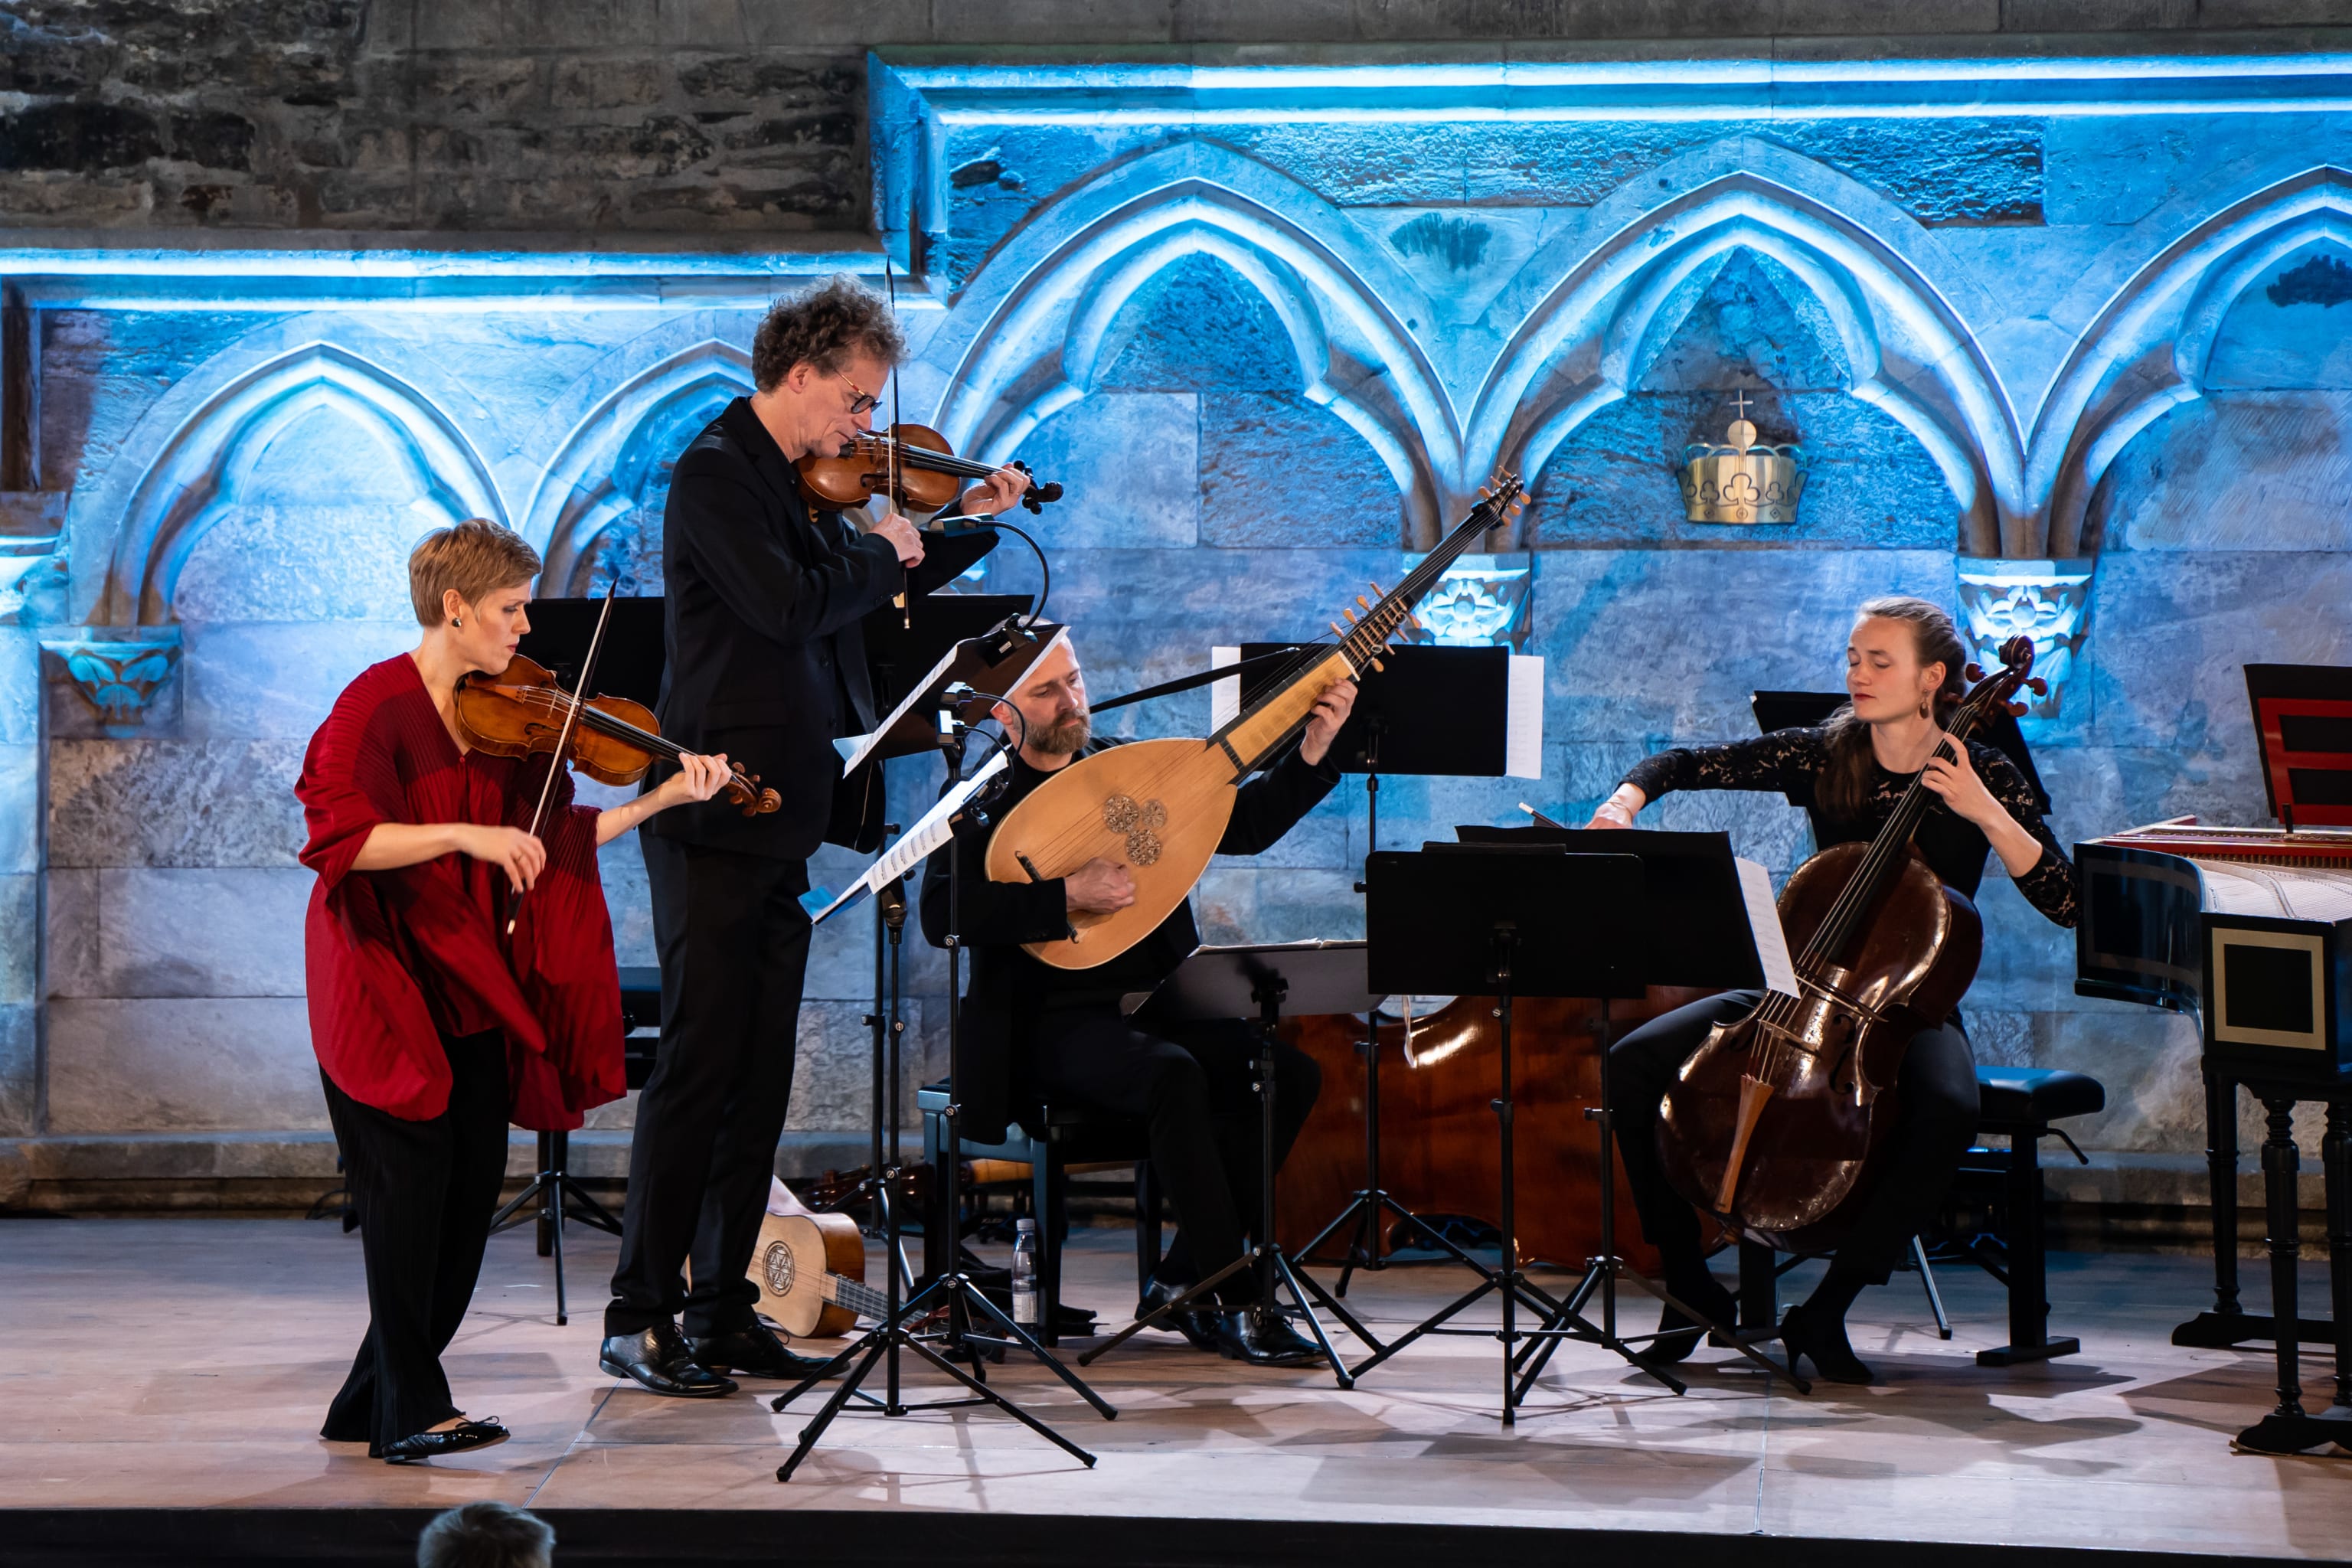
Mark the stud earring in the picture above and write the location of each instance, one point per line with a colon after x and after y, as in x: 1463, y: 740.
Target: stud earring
x: 459, y: 622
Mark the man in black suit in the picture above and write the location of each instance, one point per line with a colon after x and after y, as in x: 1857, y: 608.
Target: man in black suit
x: 1059, y: 1032
x: 766, y: 664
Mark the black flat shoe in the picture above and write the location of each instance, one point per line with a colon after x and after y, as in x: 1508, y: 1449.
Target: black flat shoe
x: 1678, y: 1335
x: 458, y: 1439
x: 754, y: 1352
x: 1187, y: 1323
x: 660, y: 1361
x: 1258, y: 1336
x: 1822, y: 1342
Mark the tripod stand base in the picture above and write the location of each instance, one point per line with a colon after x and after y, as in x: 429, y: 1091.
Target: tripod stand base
x: 889, y: 1338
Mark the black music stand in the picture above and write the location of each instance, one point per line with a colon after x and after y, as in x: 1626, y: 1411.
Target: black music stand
x: 950, y: 1287
x: 901, y: 647
x: 1270, y: 983
x: 1512, y: 919
x: 1434, y: 712
x: 630, y: 665
x: 1688, y: 925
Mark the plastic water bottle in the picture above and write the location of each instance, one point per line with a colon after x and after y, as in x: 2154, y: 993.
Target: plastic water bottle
x: 1024, y: 1274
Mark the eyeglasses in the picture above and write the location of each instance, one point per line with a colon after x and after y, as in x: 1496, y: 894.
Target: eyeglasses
x: 863, y: 400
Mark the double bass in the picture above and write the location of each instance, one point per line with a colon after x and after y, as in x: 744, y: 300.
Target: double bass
x: 1438, y: 1124
x: 1777, y: 1123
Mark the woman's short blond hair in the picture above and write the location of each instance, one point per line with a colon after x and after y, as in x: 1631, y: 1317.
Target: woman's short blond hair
x: 476, y: 557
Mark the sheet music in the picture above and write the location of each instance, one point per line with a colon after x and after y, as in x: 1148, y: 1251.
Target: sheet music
x: 856, y: 749
x: 917, y: 843
x: 1523, y: 723
x: 1225, y: 696
x: 1764, y: 921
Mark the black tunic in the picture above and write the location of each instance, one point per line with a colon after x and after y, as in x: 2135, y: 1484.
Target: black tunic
x: 1791, y: 761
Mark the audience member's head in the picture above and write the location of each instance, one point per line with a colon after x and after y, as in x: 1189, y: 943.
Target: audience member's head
x: 485, y: 1535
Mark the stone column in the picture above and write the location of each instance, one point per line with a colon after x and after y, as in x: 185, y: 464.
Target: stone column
x: 30, y: 581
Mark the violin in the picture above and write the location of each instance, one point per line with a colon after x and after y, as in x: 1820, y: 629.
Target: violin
x: 1777, y: 1123
x: 912, y: 465
x: 614, y: 740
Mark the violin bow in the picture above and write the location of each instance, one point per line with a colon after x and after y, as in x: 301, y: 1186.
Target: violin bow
x: 564, y: 737
x: 890, y: 496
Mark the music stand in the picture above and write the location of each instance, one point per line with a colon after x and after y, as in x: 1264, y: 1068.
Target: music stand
x: 1512, y: 921
x: 1689, y: 926
x: 950, y: 1287
x: 1433, y: 712
x: 1268, y: 983
x: 630, y: 665
x: 900, y: 648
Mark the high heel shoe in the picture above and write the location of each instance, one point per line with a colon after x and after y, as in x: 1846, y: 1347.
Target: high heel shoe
x: 1678, y: 1335
x: 1821, y: 1341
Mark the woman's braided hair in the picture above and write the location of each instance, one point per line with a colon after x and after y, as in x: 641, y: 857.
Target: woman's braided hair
x: 823, y: 327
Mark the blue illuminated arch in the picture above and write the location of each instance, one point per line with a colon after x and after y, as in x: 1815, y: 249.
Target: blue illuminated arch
x: 201, y: 465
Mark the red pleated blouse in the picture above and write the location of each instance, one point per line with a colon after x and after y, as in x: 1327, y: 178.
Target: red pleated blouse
x: 396, y: 959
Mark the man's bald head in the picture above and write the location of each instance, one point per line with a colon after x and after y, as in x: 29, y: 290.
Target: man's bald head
x: 1051, y: 698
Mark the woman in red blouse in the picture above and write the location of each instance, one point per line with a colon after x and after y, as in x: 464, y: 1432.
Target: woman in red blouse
x: 432, y: 1029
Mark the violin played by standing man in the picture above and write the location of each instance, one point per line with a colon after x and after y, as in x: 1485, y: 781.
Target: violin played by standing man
x: 766, y: 663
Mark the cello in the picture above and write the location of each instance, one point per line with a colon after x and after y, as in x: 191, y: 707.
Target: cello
x: 1777, y: 1123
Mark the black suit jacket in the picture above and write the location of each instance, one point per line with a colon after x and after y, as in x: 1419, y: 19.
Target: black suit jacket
x: 1008, y: 986
x: 766, y: 660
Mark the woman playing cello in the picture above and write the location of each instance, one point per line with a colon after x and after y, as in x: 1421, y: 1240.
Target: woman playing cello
x: 432, y: 1029
x: 1904, y: 665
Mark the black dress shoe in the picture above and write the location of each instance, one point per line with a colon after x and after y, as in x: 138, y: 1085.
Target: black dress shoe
x: 1258, y: 1335
x: 1186, y: 1322
x: 659, y: 1360
x: 1678, y: 1335
x: 1821, y: 1341
x: 457, y: 1439
x: 754, y: 1352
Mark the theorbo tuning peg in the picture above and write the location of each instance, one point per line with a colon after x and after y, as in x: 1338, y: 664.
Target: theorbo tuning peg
x: 1974, y: 671
x: 2016, y: 710
x: 2039, y: 687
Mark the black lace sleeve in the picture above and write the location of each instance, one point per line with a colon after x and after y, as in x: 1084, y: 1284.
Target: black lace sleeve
x: 1785, y: 760
x: 2050, y: 885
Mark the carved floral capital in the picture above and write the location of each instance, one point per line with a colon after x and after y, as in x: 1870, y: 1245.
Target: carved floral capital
x: 118, y: 669
x: 1482, y: 599
x: 2049, y: 600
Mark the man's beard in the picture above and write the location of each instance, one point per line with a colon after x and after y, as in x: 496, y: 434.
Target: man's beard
x: 1063, y: 740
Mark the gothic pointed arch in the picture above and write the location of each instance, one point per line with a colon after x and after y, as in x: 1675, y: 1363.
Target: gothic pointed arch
x: 2148, y: 348
x: 606, y: 465
x: 202, y: 466
x: 1035, y: 327
x: 1599, y: 301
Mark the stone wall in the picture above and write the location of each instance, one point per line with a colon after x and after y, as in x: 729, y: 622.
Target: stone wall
x: 2063, y: 346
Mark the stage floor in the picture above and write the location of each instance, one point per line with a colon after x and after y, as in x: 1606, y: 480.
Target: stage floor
x: 186, y: 1364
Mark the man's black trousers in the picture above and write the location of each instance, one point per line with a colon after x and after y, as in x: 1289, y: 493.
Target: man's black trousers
x: 733, y: 941
x: 425, y: 1192
x: 1936, y: 1085
x: 1189, y: 1084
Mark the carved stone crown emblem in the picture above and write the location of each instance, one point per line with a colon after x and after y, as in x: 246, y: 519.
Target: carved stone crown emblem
x: 1739, y: 482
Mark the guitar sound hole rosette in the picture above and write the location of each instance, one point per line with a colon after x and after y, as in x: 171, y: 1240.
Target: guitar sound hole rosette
x: 777, y: 1266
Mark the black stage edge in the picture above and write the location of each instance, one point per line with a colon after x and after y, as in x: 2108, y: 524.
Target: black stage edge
x: 876, y: 1538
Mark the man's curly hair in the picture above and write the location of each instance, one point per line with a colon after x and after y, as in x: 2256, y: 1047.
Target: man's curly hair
x: 823, y: 327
